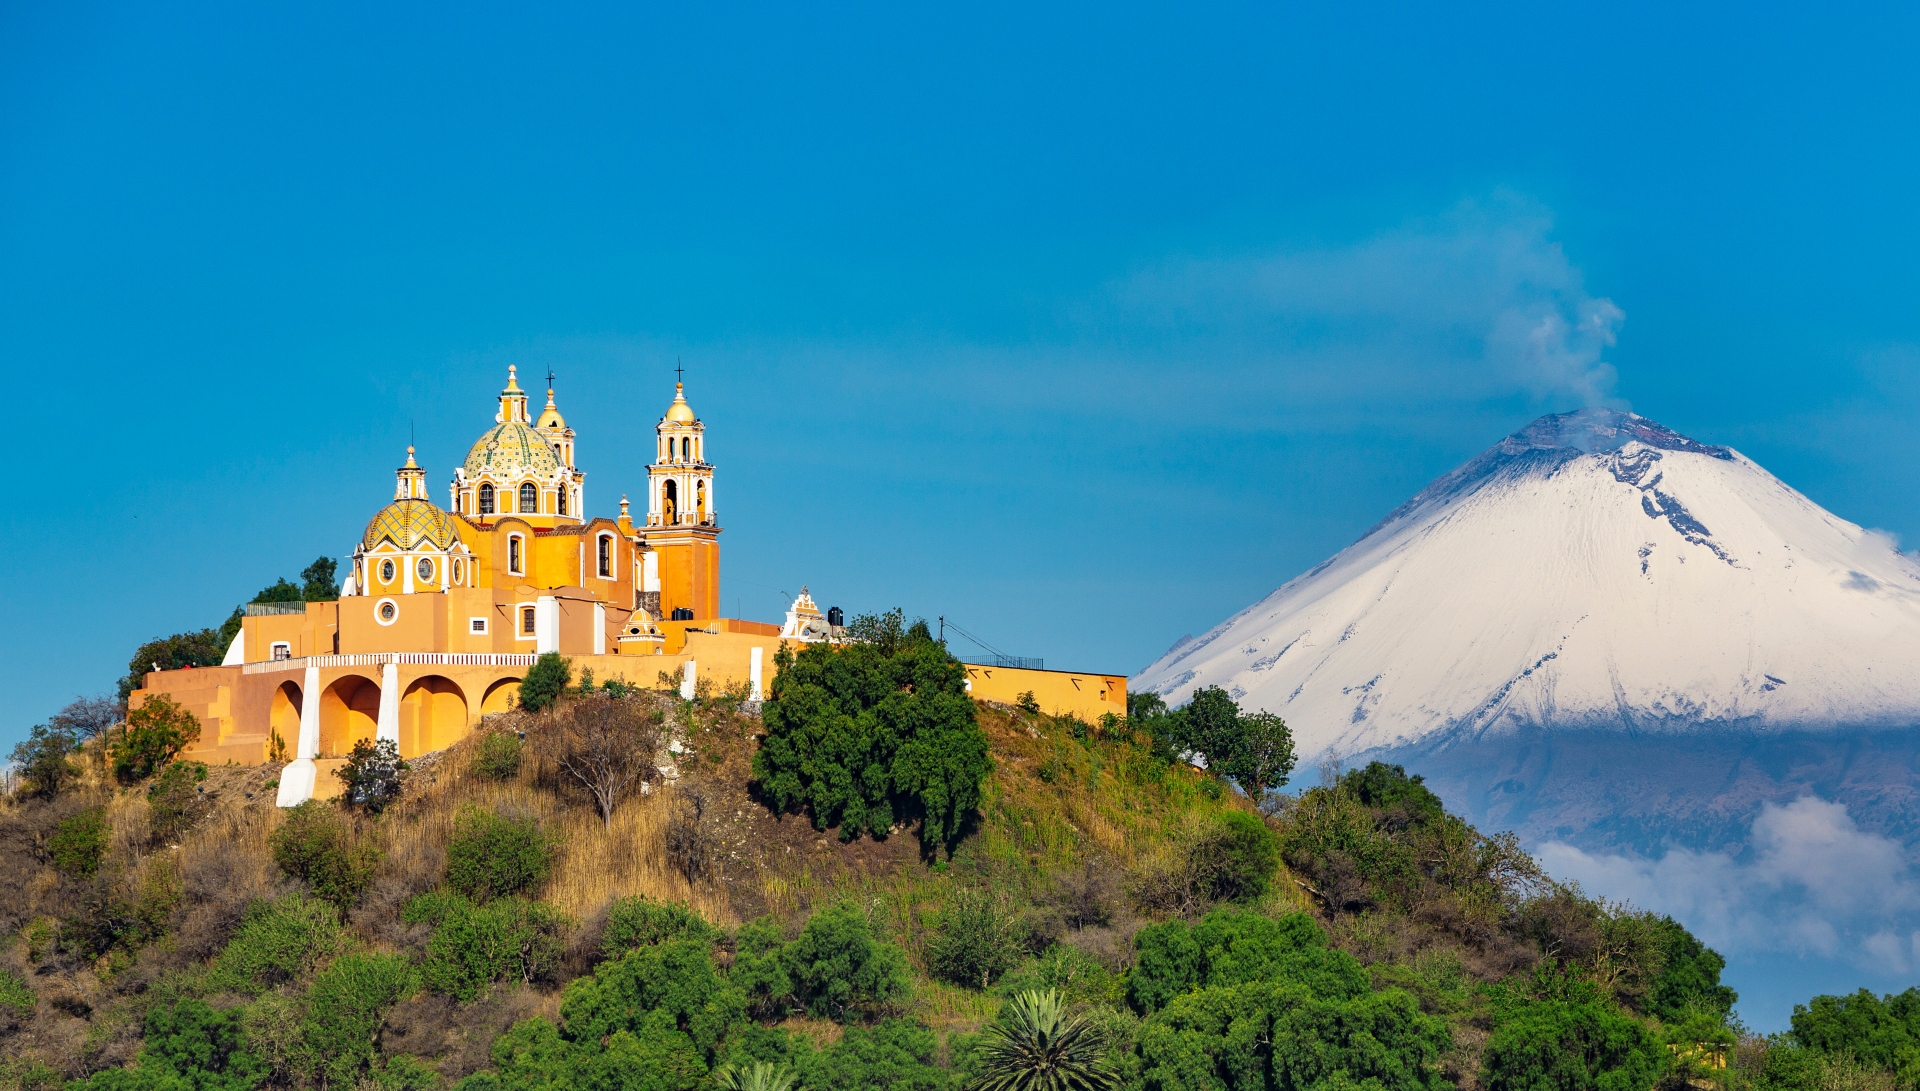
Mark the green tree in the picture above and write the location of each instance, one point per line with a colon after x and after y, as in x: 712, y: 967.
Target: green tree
x: 497, y: 755
x: 1883, y: 1031
x: 278, y: 942
x: 1265, y: 759
x: 79, y: 843
x: 205, y: 648
x: 188, y: 1046
x: 863, y: 735
x: 677, y: 977
x: 1689, y: 978
x: 153, y: 735
x: 42, y: 758
x: 345, y: 1007
x: 1571, y: 1045
x: 1235, y: 947
x: 1254, y: 750
x: 318, y: 582
x: 175, y: 800
x: 1035, y: 1046
x: 495, y: 856
x: 372, y: 776
x: 975, y: 941
x: 281, y: 590
x: 315, y: 846
x: 639, y: 922
x: 473, y: 946
x: 841, y: 970
x: 546, y: 680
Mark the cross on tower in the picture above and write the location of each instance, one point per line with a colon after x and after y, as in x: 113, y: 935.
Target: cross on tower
x: 549, y: 378
x: 679, y: 373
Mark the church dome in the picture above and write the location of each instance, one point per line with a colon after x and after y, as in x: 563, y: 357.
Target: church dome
x: 680, y: 412
x: 512, y: 448
x: 409, y: 524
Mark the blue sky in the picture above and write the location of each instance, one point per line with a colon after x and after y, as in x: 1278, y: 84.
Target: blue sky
x: 1084, y: 326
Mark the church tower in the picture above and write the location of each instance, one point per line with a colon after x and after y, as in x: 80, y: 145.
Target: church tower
x: 522, y: 467
x: 682, y: 529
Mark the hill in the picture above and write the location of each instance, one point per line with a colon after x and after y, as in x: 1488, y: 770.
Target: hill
x: 489, y: 929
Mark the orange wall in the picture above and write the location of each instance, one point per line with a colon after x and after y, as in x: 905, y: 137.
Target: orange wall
x: 1087, y: 696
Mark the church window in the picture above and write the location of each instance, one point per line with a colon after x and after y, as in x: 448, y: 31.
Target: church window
x: 563, y: 500
x: 459, y: 571
x: 686, y: 450
x: 477, y: 625
x: 606, y: 557
x: 388, y: 611
x: 282, y: 650
x: 669, y: 501
x: 486, y: 499
x: 386, y: 571
x: 425, y: 570
x: 513, y: 553
x: 529, y: 499
x: 526, y: 620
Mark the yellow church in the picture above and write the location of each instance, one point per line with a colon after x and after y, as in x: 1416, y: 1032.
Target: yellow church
x: 442, y: 610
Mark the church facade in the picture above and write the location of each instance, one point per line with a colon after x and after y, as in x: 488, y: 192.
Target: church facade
x: 443, y: 609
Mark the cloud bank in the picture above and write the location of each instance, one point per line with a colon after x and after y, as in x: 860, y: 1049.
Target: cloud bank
x: 1809, y: 882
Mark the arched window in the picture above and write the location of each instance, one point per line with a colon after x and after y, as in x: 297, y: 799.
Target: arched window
x: 686, y: 449
x: 425, y: 570
x: 606, y: 557
x: 669, y: 502
x: 486, y: 499
x: 529, y: 498
x: 700, y: 501
x: 563, y: 499
x: 513, y: 553
x: 386, y: 571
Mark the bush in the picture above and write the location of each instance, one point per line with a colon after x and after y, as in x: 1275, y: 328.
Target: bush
x: 1236, y: 859
x: 79, y: 843
x: 975, y: 943
x: 639, y: 922
x: 865, y: 734
x: 371, y: 778
x: 42, y: 758
x: 153, y: 735
x: 175, y: 801
x: 204, y: 648
x: 188, y: 1045
x: 1234, y: 947
x: 473, y: 946
x: 345, y: 1007
x: 546, y: 680
x: 840, y: 970
x: 497, y: 757
x: 278, y: 942
x: 17, y: 1002
x: 1558, y: 1043
x: 677, y: 978
x: 493, y: 856
x: 315, y: 846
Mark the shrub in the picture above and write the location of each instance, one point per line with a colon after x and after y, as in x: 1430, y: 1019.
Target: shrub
x: 79, y: 843
x: 975, y: 942
x: 605, y: 745
x: 175, y: 801
x: 639, y: 922
x: 1071, y: 972
x: 840, y: 970
x: 1234, y: 947
x: 372, y: 775
x: 1558, y: 1043
x: 315, y: 846
x: 153, y: 735
x: 691, y: 846
x: 494, y: 856
x: 677, y: 978
x: 187, y: 1045
x: 497, y: 757
x: 345, y: 1006
x: 864, y: 734
x: 277, y: 942
x: 42, y: 758
x: 473, y: 946
x: 1034, y: 1045
x: 546, y: 680
x: 17, y: 1002
x: 1236, y: 858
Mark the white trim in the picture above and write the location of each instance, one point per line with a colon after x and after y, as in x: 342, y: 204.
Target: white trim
x: 386, y: 620
x: 522, y: 539
x: 546, y: 624
x: 276, y: 646
x: 375, y: 659
x: 386, y: 578
x: 612, y: 557
x: 476, y: 626
x: 520, y: 623
x: 600, y: 628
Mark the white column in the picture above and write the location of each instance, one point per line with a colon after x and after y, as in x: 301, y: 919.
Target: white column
x: 686, y: 682
x: 546, y: 625
x: 297, y: 779
x: 650, y: 569
x: 387, y: 728
x: 599, y: 628
x: 753, y: 676
x: 406, y: 573
x: 582, y: 580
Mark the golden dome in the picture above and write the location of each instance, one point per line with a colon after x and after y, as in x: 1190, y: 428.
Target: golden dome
x: 550, y: 417
x: 510, y: 449
x: 680, y: 412
x: 408, y: 524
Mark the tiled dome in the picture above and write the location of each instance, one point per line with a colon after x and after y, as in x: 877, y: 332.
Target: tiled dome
x: 511, y: 449
x: 410, y: 523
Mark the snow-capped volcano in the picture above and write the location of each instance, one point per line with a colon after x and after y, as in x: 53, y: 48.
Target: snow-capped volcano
x: 1594, y: 570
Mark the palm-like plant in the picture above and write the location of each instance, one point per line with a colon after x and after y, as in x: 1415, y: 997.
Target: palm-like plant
x: 1036, y: 1046
x: 759, y: 1076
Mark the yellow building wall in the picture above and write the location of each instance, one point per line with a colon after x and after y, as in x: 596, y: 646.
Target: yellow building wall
x: 1059, y: 693
x: 689, y: 570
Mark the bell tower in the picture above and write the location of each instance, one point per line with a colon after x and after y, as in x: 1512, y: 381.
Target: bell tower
x: 681, y: 526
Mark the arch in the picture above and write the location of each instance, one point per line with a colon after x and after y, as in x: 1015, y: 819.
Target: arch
x: 433, y: 716
x: 603, y: 555
x: 669, y: 501
x: 529, y: 498
x: 500, y: 696
x: 486, y: 499
x: 516, y: 554
x: 349, y: 712
x: 283, y: 716
x: 686, y: 449
x: 563, y: 500
x: 699, y: 501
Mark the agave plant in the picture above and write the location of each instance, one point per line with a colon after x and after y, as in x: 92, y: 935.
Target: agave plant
x: 759, y: 1076
x: 1036, y: 1046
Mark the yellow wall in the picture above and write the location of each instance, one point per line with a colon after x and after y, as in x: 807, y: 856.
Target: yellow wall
x: 1088, y: 696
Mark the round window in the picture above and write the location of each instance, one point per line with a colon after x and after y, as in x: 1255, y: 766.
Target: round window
x: 387, y: 611
x: 424, y: 570
x: 386, y: 571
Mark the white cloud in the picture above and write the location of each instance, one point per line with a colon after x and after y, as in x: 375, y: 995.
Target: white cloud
x: 1809, y: 882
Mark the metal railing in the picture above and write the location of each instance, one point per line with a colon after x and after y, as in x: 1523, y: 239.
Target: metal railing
x: 1016, y: 662
x: 381, y: 659
x: 274, y: 609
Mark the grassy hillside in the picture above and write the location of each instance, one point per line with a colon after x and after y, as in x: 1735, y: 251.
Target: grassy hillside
x: 1394, y: 943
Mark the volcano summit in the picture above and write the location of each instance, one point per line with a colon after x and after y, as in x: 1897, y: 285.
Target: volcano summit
x: 1593, y: 593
